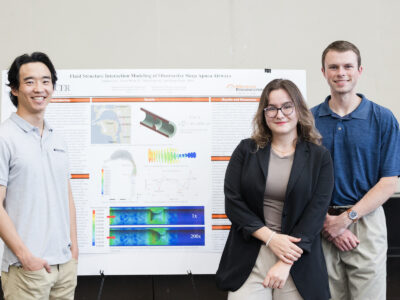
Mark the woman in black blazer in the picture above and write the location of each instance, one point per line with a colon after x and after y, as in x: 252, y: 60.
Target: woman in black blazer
x: 278, y: 186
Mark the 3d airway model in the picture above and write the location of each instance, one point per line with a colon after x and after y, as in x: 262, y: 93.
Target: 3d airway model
x: 158, y: 124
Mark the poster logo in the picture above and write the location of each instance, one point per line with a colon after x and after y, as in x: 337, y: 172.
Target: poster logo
x: 242, y: 88
x: 63, y: 88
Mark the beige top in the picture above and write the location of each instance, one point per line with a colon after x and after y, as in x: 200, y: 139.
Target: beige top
x: 274, y: 196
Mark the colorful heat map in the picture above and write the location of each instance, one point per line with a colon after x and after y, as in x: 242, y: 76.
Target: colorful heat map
x: 93, y: 227
x: 102, y: 181
x: 157, y: 215
x: 168, y: 156
x: 157, y: 236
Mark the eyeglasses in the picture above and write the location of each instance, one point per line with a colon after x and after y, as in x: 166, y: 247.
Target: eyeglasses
x: 272, y: 111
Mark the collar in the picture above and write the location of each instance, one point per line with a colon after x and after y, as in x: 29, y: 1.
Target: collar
x: 361, y: 112
x: 26, y: 126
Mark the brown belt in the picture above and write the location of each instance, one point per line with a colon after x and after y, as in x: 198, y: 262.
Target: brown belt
x: 335, y: 211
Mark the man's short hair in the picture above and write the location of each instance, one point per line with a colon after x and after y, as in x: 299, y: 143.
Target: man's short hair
x: 341, y: 46
x: 13, y: 72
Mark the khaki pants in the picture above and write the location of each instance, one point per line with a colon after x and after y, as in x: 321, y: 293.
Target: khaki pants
x: 60, y: 284
x: 360, y: 274
x: 253, y: 289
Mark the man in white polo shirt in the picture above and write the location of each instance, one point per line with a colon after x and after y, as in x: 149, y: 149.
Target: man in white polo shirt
x: 37, y: 211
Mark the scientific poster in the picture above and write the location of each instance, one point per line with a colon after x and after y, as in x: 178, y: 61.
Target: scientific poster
x: 148, y: 150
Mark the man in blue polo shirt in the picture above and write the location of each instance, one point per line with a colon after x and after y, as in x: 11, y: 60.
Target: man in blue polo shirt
x: 364, y: 142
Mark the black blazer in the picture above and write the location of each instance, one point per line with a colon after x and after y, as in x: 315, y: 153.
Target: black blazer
x: 307, y: 198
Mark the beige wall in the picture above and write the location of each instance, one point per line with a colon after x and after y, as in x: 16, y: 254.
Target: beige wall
x: 209, y: 34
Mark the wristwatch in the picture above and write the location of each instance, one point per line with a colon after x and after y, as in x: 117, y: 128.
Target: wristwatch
x: 352, y: 214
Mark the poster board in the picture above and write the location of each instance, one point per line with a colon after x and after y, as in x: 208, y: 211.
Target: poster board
x: 148, y: 151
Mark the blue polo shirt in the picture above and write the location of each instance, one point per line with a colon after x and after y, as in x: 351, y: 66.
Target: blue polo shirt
x: 365, y: 146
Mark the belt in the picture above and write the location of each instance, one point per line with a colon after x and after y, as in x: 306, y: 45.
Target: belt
x: 337, y: 210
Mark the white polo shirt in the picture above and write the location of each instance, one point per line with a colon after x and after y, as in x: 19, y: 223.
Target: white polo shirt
x: 35, y: 171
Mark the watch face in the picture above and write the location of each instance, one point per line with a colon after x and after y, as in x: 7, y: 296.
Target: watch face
x: 353, y: 215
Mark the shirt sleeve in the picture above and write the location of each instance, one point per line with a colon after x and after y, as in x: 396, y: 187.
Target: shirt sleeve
x: 4, y: 162
x: 390, y: 146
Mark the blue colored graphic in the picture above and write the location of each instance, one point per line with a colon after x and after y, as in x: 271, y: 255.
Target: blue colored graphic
x: 157, y: 215
x: 157, y: 236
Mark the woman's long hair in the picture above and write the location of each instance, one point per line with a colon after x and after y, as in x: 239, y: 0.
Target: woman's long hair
x: 306, y: 130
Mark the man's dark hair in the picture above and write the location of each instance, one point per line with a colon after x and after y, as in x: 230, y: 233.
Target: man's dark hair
x: 13, y: 72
